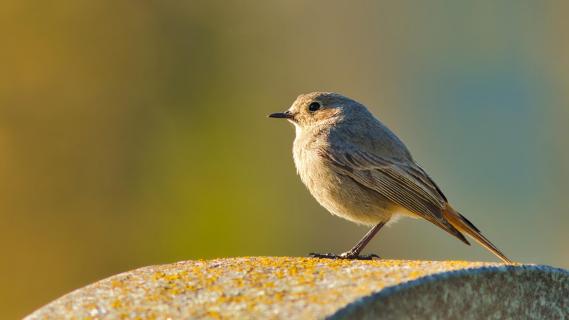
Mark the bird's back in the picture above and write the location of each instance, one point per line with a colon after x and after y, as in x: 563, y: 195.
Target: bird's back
x: 369, y: 134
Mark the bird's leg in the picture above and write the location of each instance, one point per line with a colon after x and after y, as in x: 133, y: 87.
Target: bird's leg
x: 354, y: 253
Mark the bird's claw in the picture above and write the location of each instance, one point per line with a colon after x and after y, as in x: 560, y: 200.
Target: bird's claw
x: 346, y: 256
x: 324, y: 255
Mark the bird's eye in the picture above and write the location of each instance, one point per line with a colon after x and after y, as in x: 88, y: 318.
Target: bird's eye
x: 314, y: 106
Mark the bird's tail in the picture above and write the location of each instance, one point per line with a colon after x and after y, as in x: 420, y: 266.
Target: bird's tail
x: 462, y: 224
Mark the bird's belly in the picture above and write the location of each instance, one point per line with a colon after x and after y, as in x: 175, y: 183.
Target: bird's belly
x: 344, y: 197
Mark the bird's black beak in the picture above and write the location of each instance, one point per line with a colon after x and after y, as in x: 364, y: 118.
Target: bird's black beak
x: 282, y: 115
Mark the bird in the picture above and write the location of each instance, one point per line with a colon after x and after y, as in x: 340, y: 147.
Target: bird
x: 359, y: 170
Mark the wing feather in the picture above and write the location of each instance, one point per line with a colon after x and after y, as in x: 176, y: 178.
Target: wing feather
x: 404, y: 183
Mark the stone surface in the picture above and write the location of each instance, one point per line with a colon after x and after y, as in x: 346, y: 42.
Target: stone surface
x: 306, y: 288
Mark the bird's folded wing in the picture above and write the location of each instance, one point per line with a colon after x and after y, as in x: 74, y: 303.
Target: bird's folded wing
x: 404, y: 183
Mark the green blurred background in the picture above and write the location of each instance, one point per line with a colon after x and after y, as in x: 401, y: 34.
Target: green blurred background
x: 135, y: 133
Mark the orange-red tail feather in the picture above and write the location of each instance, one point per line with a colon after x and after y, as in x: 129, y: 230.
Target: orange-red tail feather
x: 462, y: 224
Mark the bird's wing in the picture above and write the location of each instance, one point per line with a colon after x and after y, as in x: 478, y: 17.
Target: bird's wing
x: 404, y: 183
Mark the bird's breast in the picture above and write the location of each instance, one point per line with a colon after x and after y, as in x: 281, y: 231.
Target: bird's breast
x: 309, y: 164
x: 339, y: 194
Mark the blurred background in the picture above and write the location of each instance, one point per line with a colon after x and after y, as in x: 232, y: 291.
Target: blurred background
x: 135, y: 133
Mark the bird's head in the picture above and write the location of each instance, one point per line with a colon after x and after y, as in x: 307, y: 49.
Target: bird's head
x: 321, y: 108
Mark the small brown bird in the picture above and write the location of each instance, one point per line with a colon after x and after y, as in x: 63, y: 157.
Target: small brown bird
x: 359, y: 170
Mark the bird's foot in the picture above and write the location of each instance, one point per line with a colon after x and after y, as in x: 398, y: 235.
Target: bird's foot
x: 351, y: 255
x: 348, y: 255
x: 324, y: 255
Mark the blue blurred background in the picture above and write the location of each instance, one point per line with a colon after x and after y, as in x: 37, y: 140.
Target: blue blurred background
x: 135, y: 132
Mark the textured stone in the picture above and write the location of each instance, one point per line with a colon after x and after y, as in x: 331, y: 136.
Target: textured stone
x: 306, y: 288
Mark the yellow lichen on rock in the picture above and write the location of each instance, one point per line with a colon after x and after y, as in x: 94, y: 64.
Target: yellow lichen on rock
x: 250, y: 287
